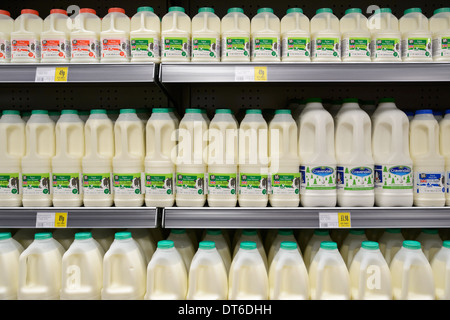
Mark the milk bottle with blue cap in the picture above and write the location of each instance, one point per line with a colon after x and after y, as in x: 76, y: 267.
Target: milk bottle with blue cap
x: 265, y: 28
x: 176, y: 36
x: 440, y: 266
x: 85, y: 37
x: 295, y: 36
x: 10, y: 251
x: 145, y: 36
x: 386, y: 37
x: 206, y: 36
x: 55, y: 37
x: 115, y: 36
x: 355, y: 36
x: 26, y: 37
x: 7, y: 27
x: 326, y: 36
x: 444, y: 147
x: 416, y: 36
x: 235, y: 28
x: 440, y: 27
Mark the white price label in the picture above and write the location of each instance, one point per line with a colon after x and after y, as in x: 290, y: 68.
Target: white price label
x: 328, y: 220
x: 45, y: 74
x: 51, y: 220
x: 244, y: 74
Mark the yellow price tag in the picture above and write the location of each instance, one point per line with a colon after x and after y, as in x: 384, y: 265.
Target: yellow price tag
x: 260, y: 73
x: 344, y: 220
x: 61, y: 74
x: 60, y: 219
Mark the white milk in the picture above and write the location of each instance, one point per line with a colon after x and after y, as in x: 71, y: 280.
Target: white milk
x: 444, y: 143
x: 128, y: 161
x: 6, y: 27
x: 390, y: 243
x: 145, y: 240
x: 355, y: 176
x: 440, y: 27
x: 66, y: 164
x: 40, y: 269
x: 282, y: 235
x: 355, y: 36
x: 97, y: 160
x: 206, y: 36
x: 235, y: 28
x: 25, y: 39
x: 159, y: 166
x: 82, y: 269
x: 351, y: 245
x: 288, y: 277
x: 325, y: 36
x: 428, y: 163
x: 284, y: 179
x: 440, y: 267
x: 393, y: 163
x: 222, y: 159
x: 253, y: 160
x: 266, y: 29
x: 412, y: 276
x: 124, y: 270
x: 10, y: 251
x: 176, y: 36
x: 36, y: 164
x: 167, y: 278
x: 248, y: 279
x: 221, y: 244
x: 386, y: 37
x: 145, y: 36
x: 55, y: 38
x: 328, y: 275
x: 416, y: 36
x: 252, y: 236
x: 191, y: 162
x: 431, y: 242
x: 316, y: 148
x: 184, y: 244
x: 313, y: 245
x: 208, y: 279
x: 85, y: 37
x: 12, y: 149
x: 295, y: 36
x: 370, y: 277
x: 115, y: 36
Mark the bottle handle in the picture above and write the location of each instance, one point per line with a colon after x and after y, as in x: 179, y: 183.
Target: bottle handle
x: 405, y: 278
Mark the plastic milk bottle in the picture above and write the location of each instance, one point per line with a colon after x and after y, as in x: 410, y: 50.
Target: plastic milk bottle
x: 10, y: 251
x: 431, y: 242
x: 440, y: 28
x: 184, y: 244
x: 176, y: 36
x: 295, y: 36
x: 416, y: 36
x: 85, y: 37
x: 282, y: 235
x: 206, y: 36
x: 440, y: 267
x: 326, y: 36
x: 444, y: 142
x: 351, y: 245
x: 355, y: 36
x: 390, y: 243
x: 313, y: 245
x: 266, y: 29
x: 252, y: 236
x: 145, y: 36
x: 115, y: 36
x: 55, y: 39
x: 25, y: 39
x: 221, y: 244
x: 7, y: 27
x: 235, y: 27
x: 386, y: 37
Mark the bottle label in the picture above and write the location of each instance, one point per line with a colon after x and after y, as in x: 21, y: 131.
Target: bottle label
x: 10, y: 183
x: 97, y: 183
x: 318, y: 178
x: 386, y: 48
x: 253, y: 184
x: 266, y: 47
x: 356, y: 47
x: 205, y: 47
x: 36, y: 183
x: 296, y: 47
x: 30, y: 48
x: 416, y: 48
x: 235, y: 47
x: 145, y: 48
x: 393, y: 177
x: 85, y: 48
x: 326, y: 47
x: 222, y: 183
x: 448, y: 181
x: 355, y: 178
x: 66, y: 183
x: 175, y: 47
x: 5, y: 49
x: 285, y: 183
x: 159, y: 184
x: 127, y: 183
x: 55, y: 48
x: 441, y: 47
x: 429, y: 182
x: 190, y: 183
x: 115, y: 48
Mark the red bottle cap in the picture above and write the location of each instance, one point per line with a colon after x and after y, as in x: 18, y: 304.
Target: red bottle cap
x: 87, y: 10
x: 116, y: 10
x: 61, y: 11
x: 6, y: 13
x: 29, y: 11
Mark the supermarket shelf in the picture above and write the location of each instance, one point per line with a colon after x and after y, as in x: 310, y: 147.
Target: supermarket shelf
x: 223, y: 72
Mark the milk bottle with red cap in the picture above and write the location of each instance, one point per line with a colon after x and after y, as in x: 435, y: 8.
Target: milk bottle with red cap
x: 26, y: 37
x: 115, y: 36
x: 85, y: 37
x: 55, y: 39
x: 145, y: 36
x: 6, y: 27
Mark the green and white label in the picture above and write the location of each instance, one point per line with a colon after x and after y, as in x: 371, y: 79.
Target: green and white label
x: 222, y: 183
x: 296, y: 47
x: 9, y: 183
x: 356, y: 47
x: 266, y: 47
x: 285, y: 183
x: 127, y: 183
x: 318, y: 178
x: 386, y: 48
x: 144, y: 47
x: 175, y: 47
x: 253, y: 184
x: 235, y: 47
x: 355, y: 178
x: 190, y: 183
x: 205, y: 47
x: 393, y: 177
x: 159, y: 184
x: 441, y: 47
x: 97, y: 183
x: 36, y: 183
x: 326, y: 47
x: 416, y: 48
x: 66, y: 183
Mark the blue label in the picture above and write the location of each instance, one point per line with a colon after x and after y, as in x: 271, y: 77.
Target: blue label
x: 322, y: 171
x: 361, y: 172
x: 400, y: 170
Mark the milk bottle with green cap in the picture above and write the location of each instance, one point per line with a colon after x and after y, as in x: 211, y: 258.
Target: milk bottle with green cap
x: 184, y: 245
x: 25, y: 39
x: 326, y: 36
x: 386, y: 37
x: 351, y: 245
x: 266, y: 29
x: 55, y: 38
x: 205, y: 36
x: 115, y: 36
x: 161, y: 150
x: 145, y: 36
x: 390, y: 242
x: 444, y: 147
x: 431, y: 242
x: 176, y: 36
x: 440, y: 27
x: 221, y: 245
x: 97, y: 160
x: 313, y: 245
x: 253, y: 236
x: 128, y: 161
x: 10, y: 251
x: 235, y: 28
x: 355, y: 36
x: 440, y: 266
x: 6, y: 27
x: 281, y: 236
x: 416, y: 36
x: 295, y: 36
x: 85, y: 37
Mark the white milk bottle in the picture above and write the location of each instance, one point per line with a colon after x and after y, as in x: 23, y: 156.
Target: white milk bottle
x: 82, y: 269
x: 370, y: 277
x: 416, y: 36
x: 351, y: 245
x: 355, y: 36
x: 205, y: 36
x: 145, y: 240
x: 266, y: 32
x: 282, y: 235
x: 176, y: 36
x: 36, y: 164
x: 97, y: 160
x: 441, y: 276
x: 235, y: 28
x: 10, y: 251
x: 355, y: 174
x: 85, y: 37
x: 12, y: 149
x: 6, y: 27
x: 40, y: 269
x: 115, y: 37
x: 444, y: 146
x: 128, y: 161
x: 145, y: 36
x: 253, y: 160
x: 393, y: 164
x: 221, y: 244
x: 284, y: 179
x: 390, y: 243
x: 431, y: 242
x: 328, y: 275
x: 316, y: 147
x: 325, y: 36
x: 25, y: 39
x: 386, y: 37
x: 288, y: 277
x: 295, y: 37
x: 159, y: 166
x: 222, y: 159
x: 55, y: 37
x: 252, y: 236
x: 313, y: 245
x: 183, y: 244
x: 167, y: 278
x: 248, y: 279
x: 412, y: 276
x: 428, y: 163
x: 208, y: 278
x: 191, y: 160
x: 440, y: 27
x: 66, y: 164
x: 124, y: 270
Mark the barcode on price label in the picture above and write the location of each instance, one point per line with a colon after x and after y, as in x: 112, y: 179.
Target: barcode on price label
x: 332, y: 220
x: 51, y: 220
